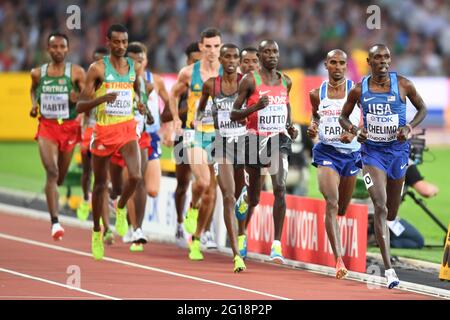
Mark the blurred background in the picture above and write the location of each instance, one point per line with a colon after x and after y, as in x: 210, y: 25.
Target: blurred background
x: 417, y: 32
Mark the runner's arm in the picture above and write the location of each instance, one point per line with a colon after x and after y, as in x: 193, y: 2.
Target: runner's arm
x: 160, y: 87
x: 79, y: 78
x: 352, y: 98
x: 246, y: 87
x: 315, y: 118
x: 86, y: 100
x: 417, y: 102
x: 35, y: 77
x: 344, y: 119
x: 178, y: 89
x: 292, y: 131
x: 206, y: 93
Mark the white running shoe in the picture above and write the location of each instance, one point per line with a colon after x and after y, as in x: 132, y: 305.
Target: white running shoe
x: 391, y: 278
x: 57, y: 231
x: 207, y: 240
x: 128, y: 237
x: 139, y: 236
x: 180, y: 237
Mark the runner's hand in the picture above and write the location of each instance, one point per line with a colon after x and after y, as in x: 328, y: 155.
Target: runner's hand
x: 346, y: 137
x: 293, y: 132
x: 150, y: 119
x: 312, y: 130
x: 177, y: 126
x: 362, y: 135
x: 110, y: 97
x: 34, y: 112
x: 403, y: 133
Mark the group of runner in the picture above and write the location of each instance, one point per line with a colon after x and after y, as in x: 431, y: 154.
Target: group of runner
x: 230, y: 114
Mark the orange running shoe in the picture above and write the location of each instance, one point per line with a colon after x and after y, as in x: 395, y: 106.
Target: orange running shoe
x: 341, y: 270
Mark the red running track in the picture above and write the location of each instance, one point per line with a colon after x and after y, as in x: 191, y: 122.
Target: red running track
x: 33, y: 266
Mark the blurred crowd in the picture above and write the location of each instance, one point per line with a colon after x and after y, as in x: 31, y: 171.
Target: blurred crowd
x: 417, y: 31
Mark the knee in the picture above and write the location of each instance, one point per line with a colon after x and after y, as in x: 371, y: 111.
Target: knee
x: 279, y: 192
x: 181, y: 188
x: 253, y: 199
x: 380, y: 209
x: 100, y: 186
x: 52, y: 174
x: 151, y: 191
x: 135, y: 178
x: 228, y: 200
x: 332, y: 205
x: 207, y: 198
x: 202, y: 185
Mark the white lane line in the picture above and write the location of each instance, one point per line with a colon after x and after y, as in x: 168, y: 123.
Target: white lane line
x: 23, y: 275
x: 136, y: 265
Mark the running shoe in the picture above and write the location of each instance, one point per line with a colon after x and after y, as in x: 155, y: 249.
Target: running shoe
x: 139, y: 236
x: 194, y: 251
x: 57, y: 231
x: 97, y: 245
x: 276, y: 254
x: 121, y: 221
x: 341, y: 270
x: 137, y: 247
x: 190, y: 222
x: 108, y: 237
x: 239, y: 264
x: 128, y: 237
x: 241, y: 206
x: 242, y: 246
x: 207, y: 240
x: 391, y: 278
x: 83, y: 210
x: 180, y: 238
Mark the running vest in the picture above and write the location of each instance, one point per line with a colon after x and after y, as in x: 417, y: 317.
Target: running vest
x: 329, y: 111
x: 221, y: 110
x: 121, y: 109
x: 383, y: 113
x: 273, y: 118
x: 140, y: 118
x: 153, y: 106
x: 53, y: 94
x: 195, y: 92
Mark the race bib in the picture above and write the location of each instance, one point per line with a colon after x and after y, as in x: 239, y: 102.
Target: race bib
x: 228, y: 128
x: 330, y: 129
x: 188, y: 137
x: 55, y: 105
x: 272, y: 118
x: 382, y: 128
x: 123, y: 105
x: 207, y: 114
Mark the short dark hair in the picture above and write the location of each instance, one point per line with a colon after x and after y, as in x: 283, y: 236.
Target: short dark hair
x: 57, y: 34
x: 116, y: 28
x: 228, y: 46
x: 210, y: 33
x: 101, y: 50
x: 247, y: 50
x: 134, y: 48
x: 372, y: 48
x: 263, y: 43
x: 193, y: 47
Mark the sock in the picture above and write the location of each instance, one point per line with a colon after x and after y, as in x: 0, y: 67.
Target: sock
x: 54, y: 220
